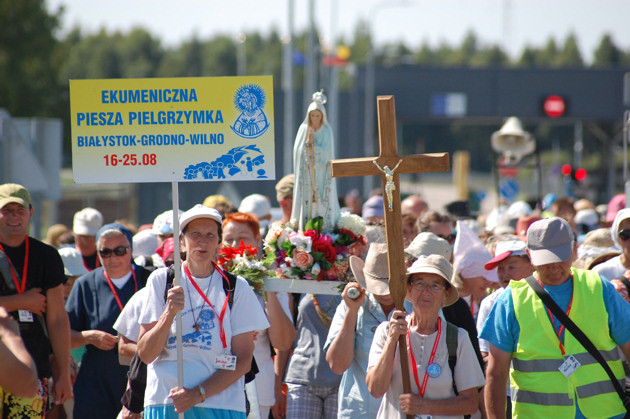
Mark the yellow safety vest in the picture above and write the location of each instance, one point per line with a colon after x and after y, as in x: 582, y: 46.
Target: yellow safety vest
x: 538, y: 388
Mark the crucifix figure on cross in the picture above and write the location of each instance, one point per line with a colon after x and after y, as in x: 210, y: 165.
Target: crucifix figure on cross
x: 388, y: 157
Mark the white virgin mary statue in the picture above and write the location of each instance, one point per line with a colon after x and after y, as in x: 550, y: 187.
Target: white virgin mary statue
x: 315, y: 191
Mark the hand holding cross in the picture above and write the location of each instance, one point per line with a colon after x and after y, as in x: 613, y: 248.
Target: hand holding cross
x: 388, y: 157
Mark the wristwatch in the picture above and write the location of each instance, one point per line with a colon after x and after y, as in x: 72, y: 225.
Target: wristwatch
x: 202, y: 391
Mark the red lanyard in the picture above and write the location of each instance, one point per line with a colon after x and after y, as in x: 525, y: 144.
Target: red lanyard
x: 553, y: 322
x: 96, y: 265
x: 20, y: 288
x: 472, y: 306
x: 225, y: 303
x: 431, y: 358
x: 111, y: 287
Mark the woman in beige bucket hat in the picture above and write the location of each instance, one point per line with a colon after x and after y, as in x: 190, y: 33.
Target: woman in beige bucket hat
x: 432, y: 385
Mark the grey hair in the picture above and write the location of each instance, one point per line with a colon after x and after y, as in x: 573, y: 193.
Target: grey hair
x: 111, y: 233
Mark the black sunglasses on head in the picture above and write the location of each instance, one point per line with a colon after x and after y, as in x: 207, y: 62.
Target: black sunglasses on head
x: 624, y: 235
x: 118, y: 251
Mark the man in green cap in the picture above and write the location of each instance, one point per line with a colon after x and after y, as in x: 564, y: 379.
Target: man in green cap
x: 31, y: 289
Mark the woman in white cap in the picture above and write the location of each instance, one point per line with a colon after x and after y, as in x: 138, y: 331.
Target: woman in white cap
x: 620, y: 234
x: 470, y: 278
x: 438, y: 389
x: 218, y: 336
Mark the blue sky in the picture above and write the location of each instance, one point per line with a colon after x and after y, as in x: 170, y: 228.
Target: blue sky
x: 510, y: 23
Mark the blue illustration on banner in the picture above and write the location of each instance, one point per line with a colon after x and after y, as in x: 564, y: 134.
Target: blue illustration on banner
x: 252, y: 122
x: 243, y: 161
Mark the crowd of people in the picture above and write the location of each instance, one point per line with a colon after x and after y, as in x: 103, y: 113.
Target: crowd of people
x: 519, y: 312
x: 474, y: 347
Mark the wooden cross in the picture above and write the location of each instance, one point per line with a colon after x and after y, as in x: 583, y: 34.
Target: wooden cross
x: 382, y: 165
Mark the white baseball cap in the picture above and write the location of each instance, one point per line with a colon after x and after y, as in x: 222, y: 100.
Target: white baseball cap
x: 72, y: 262
x: 256, y: 204
x: 199, y: 211
x: 163, y: 223
x: 87, y: 222
x: 504, y: 250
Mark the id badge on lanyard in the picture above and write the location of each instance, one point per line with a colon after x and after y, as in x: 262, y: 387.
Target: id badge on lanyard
x: 225, y: 361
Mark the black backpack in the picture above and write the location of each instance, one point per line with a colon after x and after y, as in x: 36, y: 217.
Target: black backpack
x: 133, y: 398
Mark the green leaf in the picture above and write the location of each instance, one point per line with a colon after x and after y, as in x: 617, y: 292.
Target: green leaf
x: 316, y: 224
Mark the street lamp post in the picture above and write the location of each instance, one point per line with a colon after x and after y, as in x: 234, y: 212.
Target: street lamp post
x: 241, y: 58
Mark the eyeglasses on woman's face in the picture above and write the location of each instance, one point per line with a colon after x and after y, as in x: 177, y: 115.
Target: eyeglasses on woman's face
x: 118, y: 251
x: 434, y: 287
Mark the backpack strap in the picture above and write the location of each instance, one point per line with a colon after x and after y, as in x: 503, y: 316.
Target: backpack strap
x: 227, y: 288
x: 170, y: 277
x: 232, y: 286
x: 451, y: 344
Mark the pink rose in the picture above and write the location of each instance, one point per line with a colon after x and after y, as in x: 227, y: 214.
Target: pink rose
x: 302, y: 259
x: 313, y: 234
x: 326, y: 239
x: 338, y: 269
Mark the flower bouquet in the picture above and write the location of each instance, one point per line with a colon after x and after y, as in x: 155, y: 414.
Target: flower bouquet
x: 314, y: 254
x: 242, y: 261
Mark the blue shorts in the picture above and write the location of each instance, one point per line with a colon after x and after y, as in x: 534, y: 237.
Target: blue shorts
x: 168, y: 412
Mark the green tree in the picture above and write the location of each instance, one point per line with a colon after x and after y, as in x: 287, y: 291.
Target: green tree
x: 425, y: 55
x: 570, y: 55
x: 493, y: 56
x: 467, y: 50
x: 361, y: 42
x: 140, y: 54
x: 607, y: 53
x: 92, y: 57
x: 28, y: 68
x: 528, y: 57
x: 548, y: 56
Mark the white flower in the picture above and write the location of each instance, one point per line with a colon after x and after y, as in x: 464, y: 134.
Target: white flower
x: 352, y: 222
x: 285, y: 269
x: 316, y: 269
x: 301, y: 243
x: 275, y: 230
x: 284, y: 236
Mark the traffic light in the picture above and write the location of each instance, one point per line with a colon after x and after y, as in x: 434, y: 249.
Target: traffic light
x: 578, y: 174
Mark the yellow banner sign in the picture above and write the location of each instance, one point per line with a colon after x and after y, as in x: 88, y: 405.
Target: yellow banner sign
x: 172, y: 130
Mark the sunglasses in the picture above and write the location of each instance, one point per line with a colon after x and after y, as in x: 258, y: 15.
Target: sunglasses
x: 624, y: 235
x: 118, y: 251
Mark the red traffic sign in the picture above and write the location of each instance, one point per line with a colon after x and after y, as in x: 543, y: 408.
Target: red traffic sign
x: 554, y: 106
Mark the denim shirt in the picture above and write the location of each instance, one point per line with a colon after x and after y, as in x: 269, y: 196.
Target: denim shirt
x: 355, y: 400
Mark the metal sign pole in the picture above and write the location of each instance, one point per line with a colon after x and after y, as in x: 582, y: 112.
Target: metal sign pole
x: 177, y: 282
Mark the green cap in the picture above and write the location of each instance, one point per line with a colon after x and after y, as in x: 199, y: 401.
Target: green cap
x: 12, y: 192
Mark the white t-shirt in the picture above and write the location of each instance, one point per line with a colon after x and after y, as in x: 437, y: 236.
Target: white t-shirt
x: 611, y: 269
x: 127, y: 323
x: 468, y: 374
x: 200, y: 348
x: 265, y: 379
x: 484, y: 311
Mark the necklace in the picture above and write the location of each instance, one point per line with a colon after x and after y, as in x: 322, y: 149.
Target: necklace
x: 321, y: 313
x: 196, y: 324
